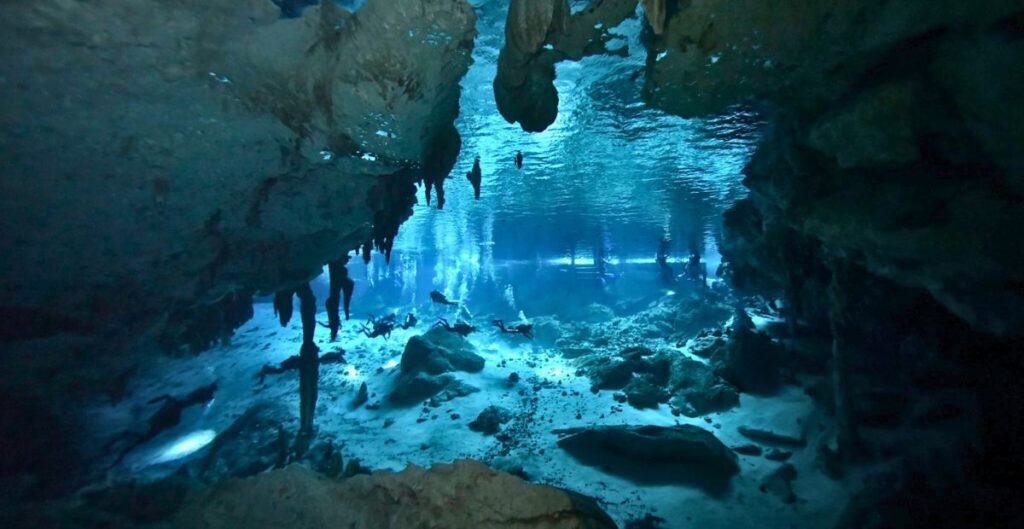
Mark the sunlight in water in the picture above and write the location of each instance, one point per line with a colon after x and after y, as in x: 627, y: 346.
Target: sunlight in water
x: 184, y: 446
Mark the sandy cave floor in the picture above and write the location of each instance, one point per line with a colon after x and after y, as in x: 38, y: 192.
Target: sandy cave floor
x: 549, y: 396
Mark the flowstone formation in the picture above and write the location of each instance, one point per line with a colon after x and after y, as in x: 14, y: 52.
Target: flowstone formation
x: 185, y: 156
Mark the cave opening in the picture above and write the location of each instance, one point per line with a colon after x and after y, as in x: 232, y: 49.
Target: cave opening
x: 511, y: 263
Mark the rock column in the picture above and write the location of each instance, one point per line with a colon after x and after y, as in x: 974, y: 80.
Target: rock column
x: 309, y: 361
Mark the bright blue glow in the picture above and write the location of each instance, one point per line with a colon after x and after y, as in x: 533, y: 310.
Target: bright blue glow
x: 609, y: 168
x: 184, y: 446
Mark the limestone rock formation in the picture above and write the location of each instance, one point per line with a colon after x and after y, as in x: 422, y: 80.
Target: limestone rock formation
x: 461, y: 495
x: 655, y: 454
x: 649, y: 378
x: 179, y: 153
x: 177, y: 158
x: 880, y: 143
x: 656, y: 13
x: 490, y: 420
x: 439, y: 351
x: 539, y: 33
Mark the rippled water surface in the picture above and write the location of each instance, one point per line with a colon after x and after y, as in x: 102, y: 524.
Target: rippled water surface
x: 609, y: 171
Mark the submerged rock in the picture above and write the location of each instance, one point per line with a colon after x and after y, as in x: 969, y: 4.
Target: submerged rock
x: 683, y: 454
x: 546, y: 330
x: 751, y: 361
x: 641, y: 394
x: 748, y: 450
x: 490, y: 420
x: 461, y: 495
x: 697, y: 390
x: 780, y: 483
x: 417, y: 388
x: 253, y: 443
x: 772, y: 437
x: 362, y: 396
x: 649, y: 378
x: 439, y: 351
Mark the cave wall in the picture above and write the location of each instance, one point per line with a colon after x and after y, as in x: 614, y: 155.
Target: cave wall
x: 890, y: 144
x: 884, y: 208
x: 162, y: 162
x: 158, y: 156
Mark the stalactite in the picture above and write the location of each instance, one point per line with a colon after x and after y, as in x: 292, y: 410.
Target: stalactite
x: 283, y: 306
x: 340, y: 283
x: 655, y: 10
x: 309, y: 368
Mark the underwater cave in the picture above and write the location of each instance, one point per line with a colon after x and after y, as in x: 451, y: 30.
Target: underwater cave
x: 474, y: 264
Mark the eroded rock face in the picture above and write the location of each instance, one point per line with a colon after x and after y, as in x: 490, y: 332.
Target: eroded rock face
x: 178, y: 153
x: 890, y: 148
x: 539, y: 33
x: 717, y: 54
x: 882, y: 203
x: 464, y: 494
x: 162, y: 162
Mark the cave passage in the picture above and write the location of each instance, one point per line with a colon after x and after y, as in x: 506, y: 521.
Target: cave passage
x: 594, y: 264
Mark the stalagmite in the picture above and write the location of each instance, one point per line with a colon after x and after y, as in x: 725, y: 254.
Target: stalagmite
x: 309, y: 369
x: 340, y: 283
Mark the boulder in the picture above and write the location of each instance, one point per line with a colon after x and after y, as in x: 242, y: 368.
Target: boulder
x: 697, y: 390
x: 461, y: 495
x: 439, y: 351
x: 641, y: 394
x: 546, y: 331
x: 648, y: 378
x: 751, y: 361
x: 684, y: 454
x: 780, y: 483
x: 418, y: 388
x: 490, y: 420
x: 453, y: 390
x: 610, y: 373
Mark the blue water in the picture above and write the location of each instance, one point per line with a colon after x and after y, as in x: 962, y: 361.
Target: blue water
x: 609, y: 176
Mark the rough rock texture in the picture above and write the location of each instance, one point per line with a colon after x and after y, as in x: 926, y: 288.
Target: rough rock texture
x: 464, y: 494
x: 412, y: 389
x: 439, y: 351
x: 894, y: 114
x: 178, y: 153
x: 649, y: 378
x: 162, y: 162
x: 490, y: 420
x: 882, y: 209
x: 750, y: 361
x: 539, y: 33
x: 655, y: 454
